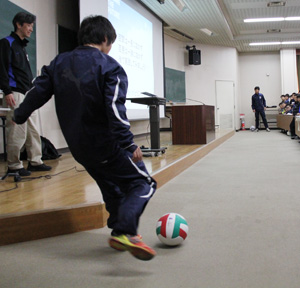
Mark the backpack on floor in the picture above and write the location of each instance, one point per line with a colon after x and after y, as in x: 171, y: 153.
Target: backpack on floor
x: 48, y: 150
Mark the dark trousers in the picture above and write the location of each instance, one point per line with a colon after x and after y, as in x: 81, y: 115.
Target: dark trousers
x: 292, y: 127
x: 263, y: 116
x: 126, y: 188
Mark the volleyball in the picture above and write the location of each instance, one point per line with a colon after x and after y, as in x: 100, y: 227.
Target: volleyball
x: 172, y: 229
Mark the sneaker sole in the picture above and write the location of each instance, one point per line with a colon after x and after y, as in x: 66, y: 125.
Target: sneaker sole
x: 136, y: 251
x: 140, y: 253
x: 117, y: 245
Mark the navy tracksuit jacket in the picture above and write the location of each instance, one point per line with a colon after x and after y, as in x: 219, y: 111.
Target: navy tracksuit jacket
x: 90, y: 90
x: 15, y: 72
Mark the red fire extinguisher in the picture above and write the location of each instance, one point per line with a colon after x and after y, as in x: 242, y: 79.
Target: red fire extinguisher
x: 242, y: 117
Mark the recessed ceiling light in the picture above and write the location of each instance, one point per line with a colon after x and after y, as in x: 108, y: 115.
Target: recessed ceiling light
x: 276, y: 4
x: 273, y: 30
x: 206, y: 31
x: 274, y: 19
x: 290, y: 42
x: 180, y: 5
x: 265, y: 43
x: 275, y: 43
x: 292, y: 18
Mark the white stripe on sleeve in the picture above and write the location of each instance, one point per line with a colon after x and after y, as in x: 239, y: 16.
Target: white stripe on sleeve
x: 114, y: 106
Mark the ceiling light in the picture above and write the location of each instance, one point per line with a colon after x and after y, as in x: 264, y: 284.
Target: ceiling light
x: 206, y: 31
x: 265, y: 43
x: 292, y: 18
x: 290, y: 42
x: 274, y: 19
x: 273, y: 30
x: 180, y: 5
x: 276, y: 4
x: 275, y: 43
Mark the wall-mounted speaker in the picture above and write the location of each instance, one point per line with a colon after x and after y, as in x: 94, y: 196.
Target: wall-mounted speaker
x: 194, y: 57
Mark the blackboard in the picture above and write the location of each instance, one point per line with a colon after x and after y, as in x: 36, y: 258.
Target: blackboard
x: 8, y: 11
x: 175, y: 85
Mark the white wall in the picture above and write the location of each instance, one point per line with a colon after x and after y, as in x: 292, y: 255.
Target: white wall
x: 175, y: 53
x: 288, y: 64
x: 258, y: 69
x: 217, y: 63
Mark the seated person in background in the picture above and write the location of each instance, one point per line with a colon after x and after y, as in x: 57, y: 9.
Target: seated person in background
x: 281, y: 109
x: 286, y: 98
x: 293, y: 99
x: 296, y: 112
x: 282, y: 98
x: 288, y: 110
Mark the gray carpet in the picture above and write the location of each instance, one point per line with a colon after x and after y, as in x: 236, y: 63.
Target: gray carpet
x: 242, y: 204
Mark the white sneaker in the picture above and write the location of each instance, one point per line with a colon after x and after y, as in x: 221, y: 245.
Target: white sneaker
x: 268, y: 130
x: 256, y: 130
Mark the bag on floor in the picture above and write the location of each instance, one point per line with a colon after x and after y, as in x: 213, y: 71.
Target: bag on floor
x: 48, y: 150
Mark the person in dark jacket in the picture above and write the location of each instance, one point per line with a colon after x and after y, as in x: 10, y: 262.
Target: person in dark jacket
x: 296, y: 112
x: 15, y: 80
x: 90, y: 90
x: 259, y: 107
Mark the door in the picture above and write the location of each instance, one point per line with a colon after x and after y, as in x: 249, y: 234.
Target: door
x: 225, y: 104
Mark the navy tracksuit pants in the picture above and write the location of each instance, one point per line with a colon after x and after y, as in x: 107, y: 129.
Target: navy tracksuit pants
x: 126, y: 188
x: 263, y: 116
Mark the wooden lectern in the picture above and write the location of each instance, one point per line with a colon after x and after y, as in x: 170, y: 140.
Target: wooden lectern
x: 193, y: 124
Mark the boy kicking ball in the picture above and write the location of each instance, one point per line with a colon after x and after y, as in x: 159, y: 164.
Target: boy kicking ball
x: 90, y: 92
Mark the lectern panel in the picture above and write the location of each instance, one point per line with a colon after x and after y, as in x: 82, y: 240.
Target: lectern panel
x: 193, y: 124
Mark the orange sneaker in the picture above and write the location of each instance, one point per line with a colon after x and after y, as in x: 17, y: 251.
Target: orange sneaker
x: 117, y: 244
x: 133, y: 244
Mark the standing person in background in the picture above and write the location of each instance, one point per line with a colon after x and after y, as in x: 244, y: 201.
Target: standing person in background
x: 259, y: 107
x: 15, y: 80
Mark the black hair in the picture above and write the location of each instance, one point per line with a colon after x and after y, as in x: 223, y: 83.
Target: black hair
x: 256, y: 87
x: 22, y: 18
x: 95, y: 30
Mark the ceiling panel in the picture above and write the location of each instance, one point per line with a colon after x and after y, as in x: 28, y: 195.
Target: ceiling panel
x: 225, y: 19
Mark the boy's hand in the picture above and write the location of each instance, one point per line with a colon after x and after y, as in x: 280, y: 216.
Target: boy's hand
x: 137, y: 155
